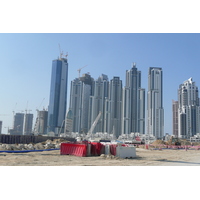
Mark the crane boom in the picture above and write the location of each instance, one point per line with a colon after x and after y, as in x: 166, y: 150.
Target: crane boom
x: 94, y: 124
x: 79, y: 70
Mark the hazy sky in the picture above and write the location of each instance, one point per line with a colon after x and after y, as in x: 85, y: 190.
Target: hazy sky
x: 26, y: 61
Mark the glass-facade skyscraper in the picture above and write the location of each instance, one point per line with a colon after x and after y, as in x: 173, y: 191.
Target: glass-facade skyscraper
x: 133, y: 113
x: 81, y: 90
x: 113, y: 108
x: 175, y: 117
x: 155, y: 111
x: 97, y: 102
x: 58, y: 95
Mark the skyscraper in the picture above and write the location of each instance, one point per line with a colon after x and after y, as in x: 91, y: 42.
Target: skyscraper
x: 28, y: 123
x: 175, y: 117
x: 155, y: 118
x: 113, y: 108
x: 80, y: 92
x: 18, y: 124
x: 97, y: 102
x: 58, y: 94
x: 189, y: 110
x: 133, y: 119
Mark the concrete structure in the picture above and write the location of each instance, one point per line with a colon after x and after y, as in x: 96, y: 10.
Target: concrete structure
x: 28, y: 123
x: 41, y: 122
x: 18, y: 124
x: 189, y: 109
x: 97, y: 102
x: 81, y: 90
x: 58, y: 94
x: 133, y: 108
x: 175, y: 117
x: 155, y: 111
x: 113, y: 108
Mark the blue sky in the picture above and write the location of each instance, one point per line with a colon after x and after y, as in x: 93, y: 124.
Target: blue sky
x: 26, y: 64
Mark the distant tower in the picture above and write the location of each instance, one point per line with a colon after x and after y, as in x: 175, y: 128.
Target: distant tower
x: 18, y: 124
x: 175, y: 117
x: 41, y: 122
x: 155, y: 119
x: 58, y: 94
x: 189, y: 110
x: 133, y: 113
x: 28, y: 123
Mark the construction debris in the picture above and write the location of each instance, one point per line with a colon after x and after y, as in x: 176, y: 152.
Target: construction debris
x: 48, y: 144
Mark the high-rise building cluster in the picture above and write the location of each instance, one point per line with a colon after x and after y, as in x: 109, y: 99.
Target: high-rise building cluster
x: 122, y: 108
x: 22, y: 124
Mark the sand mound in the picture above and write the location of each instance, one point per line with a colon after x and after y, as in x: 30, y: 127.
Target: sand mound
x: 157, y: 142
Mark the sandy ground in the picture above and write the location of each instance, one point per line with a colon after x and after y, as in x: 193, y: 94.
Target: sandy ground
x: 144, y: 158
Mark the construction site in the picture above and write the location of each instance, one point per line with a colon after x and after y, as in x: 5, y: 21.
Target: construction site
x: 71, y: 149
x: 61, y: 152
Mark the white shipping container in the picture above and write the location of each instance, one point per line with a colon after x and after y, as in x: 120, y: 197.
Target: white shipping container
x: 125, y: 152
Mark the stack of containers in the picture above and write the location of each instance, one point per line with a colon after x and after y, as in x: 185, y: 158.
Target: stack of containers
x: 86, y: 148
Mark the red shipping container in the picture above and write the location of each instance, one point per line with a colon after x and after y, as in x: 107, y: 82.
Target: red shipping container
x: 96, y: 148
x: 113, y: 149
x: 73, y: 149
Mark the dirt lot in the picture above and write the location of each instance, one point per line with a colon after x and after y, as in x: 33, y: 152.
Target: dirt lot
x: 144, y: 158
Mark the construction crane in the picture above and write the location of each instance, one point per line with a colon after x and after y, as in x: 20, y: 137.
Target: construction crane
x: 79, y: 70
x: 61, y: 52
x: 94, y: 125
x: 28, y: 111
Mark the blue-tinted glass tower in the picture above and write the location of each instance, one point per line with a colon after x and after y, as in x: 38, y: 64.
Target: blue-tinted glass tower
x: 58, y: 95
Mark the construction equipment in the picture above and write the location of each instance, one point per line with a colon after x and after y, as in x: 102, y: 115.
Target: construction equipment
x: 61, y: 53
x: 94, y: 125
x: 79, y: 71
x: 174, y: 141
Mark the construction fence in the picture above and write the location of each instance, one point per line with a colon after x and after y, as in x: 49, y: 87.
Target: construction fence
x: 26, y: 139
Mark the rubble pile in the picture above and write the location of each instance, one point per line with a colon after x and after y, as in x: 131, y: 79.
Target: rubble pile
x: 48, y: 144
x: 157, y: 142
x: 182, y: 142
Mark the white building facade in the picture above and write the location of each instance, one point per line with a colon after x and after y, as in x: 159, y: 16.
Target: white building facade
x: 97, y: 102
x: 80, y: 92
x: 188, y: 109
